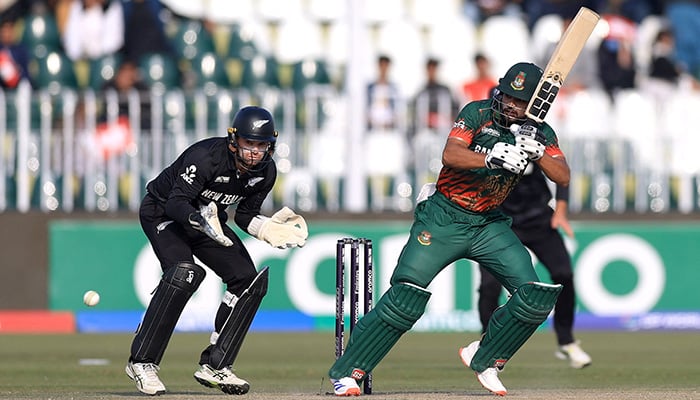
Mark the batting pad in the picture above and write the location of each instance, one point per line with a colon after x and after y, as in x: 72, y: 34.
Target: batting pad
x: 513, y: 323
x: 379, y: 330
x: 174, y: 290
x: 230, y: 336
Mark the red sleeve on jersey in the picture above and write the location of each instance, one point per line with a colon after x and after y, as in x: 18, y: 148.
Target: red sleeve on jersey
x: 554, y: 150
x: 461, y: 131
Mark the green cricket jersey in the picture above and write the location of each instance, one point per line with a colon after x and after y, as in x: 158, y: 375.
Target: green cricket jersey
x: 482, y: 189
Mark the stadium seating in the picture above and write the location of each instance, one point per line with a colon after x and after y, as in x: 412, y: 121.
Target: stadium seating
x: 327, y: 11
x: 407, y: 66
x: 192, y: 40
x: 684, y: 164
x: 505, y: 40
x: 103, y: 70
x: 545, y: 31
x: 40, y: 34
x: 456, y: 57
x: 386, y: 159
x: 209, y: 72
x: 159, y: 71
x: 431, y: 13
x: 54, y: 73
x: 277, y: 11
x: 260, y: 71
x: 298, y: 38
x: 309, y: 72
x: 636, y: 121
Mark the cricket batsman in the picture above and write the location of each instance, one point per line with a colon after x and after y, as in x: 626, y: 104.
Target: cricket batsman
x: 487, y: 150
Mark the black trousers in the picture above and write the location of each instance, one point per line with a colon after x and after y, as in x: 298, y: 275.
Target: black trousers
x: 173, y: 243
x: 547, y: 244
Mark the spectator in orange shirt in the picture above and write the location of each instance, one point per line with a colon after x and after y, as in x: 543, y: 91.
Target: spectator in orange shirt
x: 480, y: 87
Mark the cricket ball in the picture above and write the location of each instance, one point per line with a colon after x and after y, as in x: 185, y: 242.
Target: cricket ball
x: 91, y: 298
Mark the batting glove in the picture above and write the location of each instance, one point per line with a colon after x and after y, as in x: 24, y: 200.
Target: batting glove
x: 507, y: 156
x: 529, y: 139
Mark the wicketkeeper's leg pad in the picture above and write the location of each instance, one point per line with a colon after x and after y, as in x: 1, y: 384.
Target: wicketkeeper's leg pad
x: 378, y: 331
x: 513, y: 323
x: 233, y: 321
x: 176, y: 286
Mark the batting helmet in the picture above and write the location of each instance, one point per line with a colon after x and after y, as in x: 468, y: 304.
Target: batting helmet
x: 520, y: 81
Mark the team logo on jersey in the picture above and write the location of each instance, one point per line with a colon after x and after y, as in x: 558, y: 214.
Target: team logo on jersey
x: 163, y: 225
x: 189, y: 174
x: 222, y: 179
x: 519, y: 81
x: 253, y: 181
x: 459, y: 124
x: 259, y: 123
x: 424, y: 238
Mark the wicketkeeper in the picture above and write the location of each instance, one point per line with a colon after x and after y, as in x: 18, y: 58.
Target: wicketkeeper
x: 487, y: 150
x: 184, y: 215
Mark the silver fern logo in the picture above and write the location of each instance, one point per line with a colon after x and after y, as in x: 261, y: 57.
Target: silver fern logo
x: 259, y: 123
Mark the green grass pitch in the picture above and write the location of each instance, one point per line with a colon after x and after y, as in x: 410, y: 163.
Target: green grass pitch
x: 626, y: 365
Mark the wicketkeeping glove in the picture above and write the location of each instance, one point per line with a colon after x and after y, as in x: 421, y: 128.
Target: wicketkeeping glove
x: 506, y: 156
x: 206, y: 220
x: 529, y: 139
x: 283, y: 230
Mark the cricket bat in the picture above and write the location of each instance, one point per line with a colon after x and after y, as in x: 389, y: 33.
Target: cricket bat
x: 565, y: 54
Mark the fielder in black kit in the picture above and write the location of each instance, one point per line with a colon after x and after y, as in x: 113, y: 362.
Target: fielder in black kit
x: 536, y: 224
x: 184, y: 215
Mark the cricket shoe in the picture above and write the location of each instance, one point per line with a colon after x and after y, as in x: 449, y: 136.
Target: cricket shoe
x: 223, y: 379
x: 146, y: 377
x: 345, y: 387
x: 577, y: 357
x: 489, y: 377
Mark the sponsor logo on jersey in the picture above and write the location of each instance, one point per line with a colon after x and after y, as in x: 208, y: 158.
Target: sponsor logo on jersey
x: 259, y: 123
x: 491, y: 131
x: 189, y: 174
x: 519, y: 81
x: 222, y: 179
x: 424, y: 238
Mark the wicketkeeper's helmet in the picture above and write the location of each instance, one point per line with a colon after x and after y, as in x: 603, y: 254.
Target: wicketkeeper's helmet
x: 254, y: 123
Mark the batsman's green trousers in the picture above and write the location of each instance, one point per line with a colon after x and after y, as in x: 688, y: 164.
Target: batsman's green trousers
x: 443, y: 232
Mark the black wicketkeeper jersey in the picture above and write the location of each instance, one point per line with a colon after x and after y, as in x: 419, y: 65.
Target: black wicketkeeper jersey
x: 206, y: 172
x: 528, y: 203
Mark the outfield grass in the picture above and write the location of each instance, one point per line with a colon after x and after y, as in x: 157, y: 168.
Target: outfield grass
x: 421, y: 366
